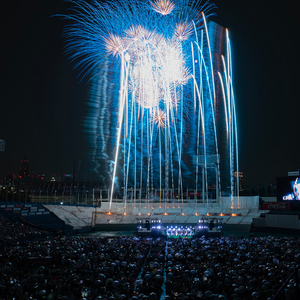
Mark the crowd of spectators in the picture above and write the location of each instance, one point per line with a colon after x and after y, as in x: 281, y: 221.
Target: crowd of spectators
x: 120, y: 268
x: 231, y: 268
x: 12, y: 230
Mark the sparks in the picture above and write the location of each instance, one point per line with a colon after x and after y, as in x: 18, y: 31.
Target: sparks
x: 164, y: 7
x: 183, y: 31
x: 159, y: 118
x: 114, y: 44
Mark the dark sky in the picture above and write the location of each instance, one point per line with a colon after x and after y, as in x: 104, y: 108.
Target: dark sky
x: 43, y: 100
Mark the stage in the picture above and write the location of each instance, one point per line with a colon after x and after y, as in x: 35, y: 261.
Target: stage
x: 231, y: 212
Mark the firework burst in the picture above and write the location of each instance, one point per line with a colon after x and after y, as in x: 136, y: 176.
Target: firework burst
x: 183, y: 31
x: 159, y: 118
x: 114, y: 45
x: 164, y: 7
x: 142, y: 57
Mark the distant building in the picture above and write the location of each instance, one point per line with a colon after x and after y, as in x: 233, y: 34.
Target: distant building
x: 41, y: 176
x: 240, y: 175
x: 68, y: 177
x: 55, y: 177
x: 9, y: 180
x: 24, y: 169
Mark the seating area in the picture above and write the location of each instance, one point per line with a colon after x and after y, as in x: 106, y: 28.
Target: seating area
x: 34, y: 214
x: 23, y: 209
x: 76, y: 216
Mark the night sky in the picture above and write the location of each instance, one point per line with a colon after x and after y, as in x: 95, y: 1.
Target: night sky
x: 43, y: 101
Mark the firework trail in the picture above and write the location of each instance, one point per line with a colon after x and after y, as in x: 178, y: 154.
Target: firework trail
x: 154, y: 83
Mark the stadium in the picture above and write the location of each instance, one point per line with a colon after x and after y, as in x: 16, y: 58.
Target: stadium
x: 155, y: 212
